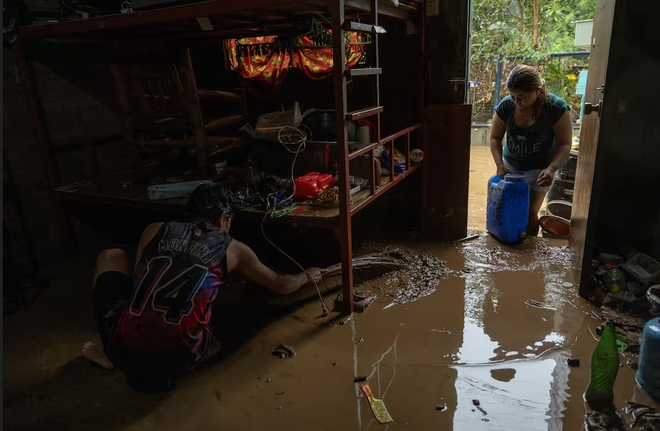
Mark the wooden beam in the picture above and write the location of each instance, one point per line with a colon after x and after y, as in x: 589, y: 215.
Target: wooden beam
x: 218, y: 95
x: 370, y: 71
x: 345, y: 230
x: 223, y: 122
x: 364, y: 113
x: 151, y: 17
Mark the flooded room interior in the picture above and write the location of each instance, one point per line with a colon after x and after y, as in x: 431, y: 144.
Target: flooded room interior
x: 330, y: 215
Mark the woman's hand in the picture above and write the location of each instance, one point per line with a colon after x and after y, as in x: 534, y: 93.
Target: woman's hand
x: 502, y: 171
x: 546, y: 176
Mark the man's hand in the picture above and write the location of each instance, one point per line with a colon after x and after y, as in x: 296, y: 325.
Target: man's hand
x: 314, y: 274
x: 502, y: 171
x: 546, y: 176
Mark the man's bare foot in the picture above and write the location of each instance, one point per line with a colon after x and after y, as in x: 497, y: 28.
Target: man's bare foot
x: 94, y: 352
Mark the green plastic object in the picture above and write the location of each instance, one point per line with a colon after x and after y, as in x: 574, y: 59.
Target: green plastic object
x: 604, y: 368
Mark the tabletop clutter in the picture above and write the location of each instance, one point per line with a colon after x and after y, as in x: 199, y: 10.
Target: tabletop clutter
x: 250, y: 183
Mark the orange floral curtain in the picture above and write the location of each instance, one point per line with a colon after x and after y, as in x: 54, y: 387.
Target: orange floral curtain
x: 255, y: 60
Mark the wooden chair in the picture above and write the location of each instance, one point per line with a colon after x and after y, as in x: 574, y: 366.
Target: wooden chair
x: 160, y: 105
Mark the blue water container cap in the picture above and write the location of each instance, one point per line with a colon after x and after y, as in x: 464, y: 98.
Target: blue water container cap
x: 514, y: 178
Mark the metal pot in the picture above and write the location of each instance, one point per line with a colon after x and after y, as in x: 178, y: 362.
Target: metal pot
x: 322, y: 124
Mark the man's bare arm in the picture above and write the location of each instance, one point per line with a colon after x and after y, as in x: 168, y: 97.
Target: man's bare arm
x: 242, y: 258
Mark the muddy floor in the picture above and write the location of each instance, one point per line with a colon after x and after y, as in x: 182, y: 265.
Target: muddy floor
x: 475, y: 338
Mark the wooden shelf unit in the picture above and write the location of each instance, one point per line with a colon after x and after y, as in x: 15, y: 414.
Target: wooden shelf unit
x: 242, y: 18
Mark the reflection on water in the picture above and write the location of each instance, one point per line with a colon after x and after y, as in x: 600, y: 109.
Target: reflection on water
x: 518, y: 374
x: 526, y: 398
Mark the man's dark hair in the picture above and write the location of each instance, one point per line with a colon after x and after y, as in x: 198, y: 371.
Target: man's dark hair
x: 207, y: 203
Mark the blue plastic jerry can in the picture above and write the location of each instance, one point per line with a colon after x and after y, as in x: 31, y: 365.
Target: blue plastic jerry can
x: 508, y: 207
x: 648, y: 373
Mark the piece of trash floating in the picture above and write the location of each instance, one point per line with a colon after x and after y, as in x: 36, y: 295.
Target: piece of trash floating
x: 283, y: 351
x: 467, y: 238
x: 377, y: 406
x: 573, y: 362
x: 359, y: 379
x: 440, y: 331
x: 360, y: 341
x: 477, y: 404
x: 536, y: 304
x: 440, y: 408
x: 389, y: 305
x: 362, y: 305
x: 567, y: 284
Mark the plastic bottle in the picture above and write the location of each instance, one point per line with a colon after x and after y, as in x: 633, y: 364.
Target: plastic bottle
x: 604, y: 368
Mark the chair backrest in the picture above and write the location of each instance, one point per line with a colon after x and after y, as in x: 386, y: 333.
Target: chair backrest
x: 154, y: 93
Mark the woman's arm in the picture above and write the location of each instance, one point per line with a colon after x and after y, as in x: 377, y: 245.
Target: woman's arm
x: 496, y: 135
x: 563, y: 133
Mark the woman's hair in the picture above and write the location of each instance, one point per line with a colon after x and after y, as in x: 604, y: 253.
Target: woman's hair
x: 207, y: 203
x: 526, y: 78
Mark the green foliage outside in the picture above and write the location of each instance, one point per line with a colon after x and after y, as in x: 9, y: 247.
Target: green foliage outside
x: 529, y: 30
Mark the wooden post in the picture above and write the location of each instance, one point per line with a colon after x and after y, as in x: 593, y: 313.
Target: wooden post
x: 134, y: 158
x: 194, y: 111
x: 336, y: 8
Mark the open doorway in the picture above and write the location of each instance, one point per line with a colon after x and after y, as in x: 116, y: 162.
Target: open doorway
x: 545, y: 34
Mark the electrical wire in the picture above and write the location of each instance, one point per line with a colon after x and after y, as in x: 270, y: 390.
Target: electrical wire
x: 290, y: 138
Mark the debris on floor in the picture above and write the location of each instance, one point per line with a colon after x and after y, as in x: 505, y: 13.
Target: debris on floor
x: 360, y: 379
x: 573, y: 362
x: 645, y: 416
x: 477, y: 404
x: 377, y: 406
x: 603, y: 421
x: 536, y: 304
x: 441, y: 408
x: 284, y: 351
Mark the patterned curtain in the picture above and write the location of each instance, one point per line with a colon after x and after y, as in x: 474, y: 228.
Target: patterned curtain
x: 257, y: 57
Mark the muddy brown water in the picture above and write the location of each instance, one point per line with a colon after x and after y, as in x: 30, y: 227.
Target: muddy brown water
x: 475, y: 338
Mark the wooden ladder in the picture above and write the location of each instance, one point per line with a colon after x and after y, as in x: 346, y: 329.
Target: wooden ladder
x: 341, y: 73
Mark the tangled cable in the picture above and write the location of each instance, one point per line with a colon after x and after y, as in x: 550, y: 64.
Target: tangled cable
x: 294, y: 141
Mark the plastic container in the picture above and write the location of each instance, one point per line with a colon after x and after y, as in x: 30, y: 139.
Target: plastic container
x: 643, y: 268
x: 616, y: 280
x: 648, y: 373
x: 508, y: 207
x: 311, y: 184
x: 174, y: 190
x: 416, y: 155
